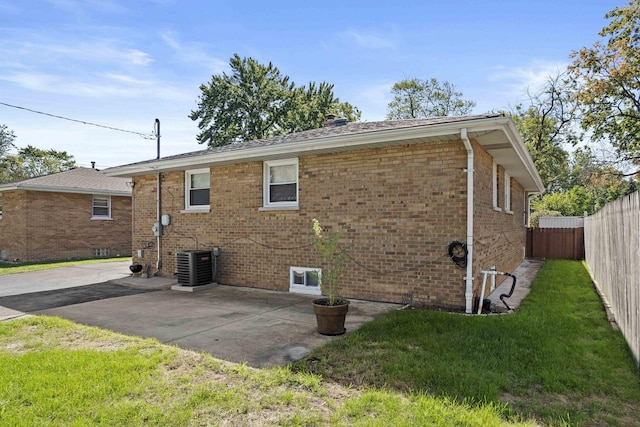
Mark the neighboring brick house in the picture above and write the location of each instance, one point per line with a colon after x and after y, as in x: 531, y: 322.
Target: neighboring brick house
x: 79, y: 213
x: 397, y: 188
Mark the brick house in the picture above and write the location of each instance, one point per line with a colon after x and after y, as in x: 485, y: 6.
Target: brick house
x: 399, y: 189
x: 79, y: 213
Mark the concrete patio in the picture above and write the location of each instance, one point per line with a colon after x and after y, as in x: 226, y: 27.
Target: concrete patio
x: 259, y: 327
x: 239, y: 324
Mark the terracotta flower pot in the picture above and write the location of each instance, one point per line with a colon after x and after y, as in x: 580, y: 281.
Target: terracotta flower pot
x: 330, y: 318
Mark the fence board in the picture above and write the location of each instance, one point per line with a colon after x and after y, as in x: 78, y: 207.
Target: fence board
x: 555, y: 243
x: 612, y: 248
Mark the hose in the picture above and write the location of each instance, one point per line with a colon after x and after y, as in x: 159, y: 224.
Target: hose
x: 513, y: 286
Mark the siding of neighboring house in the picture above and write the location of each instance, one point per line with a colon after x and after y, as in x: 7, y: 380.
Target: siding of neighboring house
x: 13, y: 225
x: 41, y: 226
x: 561, y: 222
x: 401, y: 206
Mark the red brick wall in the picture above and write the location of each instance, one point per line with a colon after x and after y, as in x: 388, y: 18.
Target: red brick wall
x: 53, y: 226
x: 400, y: 207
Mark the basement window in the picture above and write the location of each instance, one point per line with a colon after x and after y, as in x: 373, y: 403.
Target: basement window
x: 281, y: 184
x: 304, y: 280
x: 101, y: 252
x: 196, y: 192
x: 101, y: 207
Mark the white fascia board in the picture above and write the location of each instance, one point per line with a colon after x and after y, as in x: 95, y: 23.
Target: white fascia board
x: 513, y: 136
x: 10, y: 187
x: 523, y: 153
x: 293, y: 149
x: 341, y: 143
x: 53, y: 189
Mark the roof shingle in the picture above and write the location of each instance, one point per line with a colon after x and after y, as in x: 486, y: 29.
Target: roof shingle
x: 80, y: 179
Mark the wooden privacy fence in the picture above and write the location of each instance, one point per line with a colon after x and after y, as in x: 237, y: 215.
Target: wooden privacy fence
x: 612, y: 246
x: 558, y: 243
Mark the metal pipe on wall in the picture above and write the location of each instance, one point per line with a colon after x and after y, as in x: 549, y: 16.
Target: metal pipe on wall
x: 468, y: 294
x: 158, y: 202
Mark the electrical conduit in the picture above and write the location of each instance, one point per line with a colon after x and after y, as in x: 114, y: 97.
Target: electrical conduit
x: 468, y: 294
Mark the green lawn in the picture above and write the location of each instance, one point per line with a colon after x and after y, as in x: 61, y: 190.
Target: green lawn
x: 556, y: 359
x: 11, y: 268
x: 57, y: 373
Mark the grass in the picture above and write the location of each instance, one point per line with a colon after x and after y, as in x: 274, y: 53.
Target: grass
x: 12, y: 268
x: 57, y: 373
x: 557, y: 359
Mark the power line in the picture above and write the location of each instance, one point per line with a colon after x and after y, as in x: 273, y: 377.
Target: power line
x: 143, y: 135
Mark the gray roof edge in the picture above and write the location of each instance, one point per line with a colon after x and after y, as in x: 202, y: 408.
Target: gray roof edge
x: 71, y: 181
x: 345, y: 141
x: 255, y: 150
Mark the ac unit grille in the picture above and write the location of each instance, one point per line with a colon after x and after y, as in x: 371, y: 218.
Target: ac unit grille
x: 194, y: 268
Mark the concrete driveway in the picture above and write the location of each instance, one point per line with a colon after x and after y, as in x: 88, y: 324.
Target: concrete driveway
x: 259, y: 327
x: 62, y: 278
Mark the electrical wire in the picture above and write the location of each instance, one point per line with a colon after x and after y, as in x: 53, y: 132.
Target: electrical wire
x: 496, y: 237
x: 354, y: 260
x: 143, y: 135
x: 264, y: 244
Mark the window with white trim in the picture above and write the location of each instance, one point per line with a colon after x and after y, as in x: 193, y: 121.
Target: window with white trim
x: 101, y: 207
x: 281, y: 184
x: 305, y: 280
x: 196, y: 191
x: 495, y: 186
x: 507, y: 193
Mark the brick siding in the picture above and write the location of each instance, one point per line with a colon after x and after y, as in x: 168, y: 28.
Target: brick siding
x: 43, y: 226
x: 399, y: 207
x: 499, y: 236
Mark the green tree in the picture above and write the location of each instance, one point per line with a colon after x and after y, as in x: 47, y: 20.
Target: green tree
x: 256, y: 101
x: 572, y: 202
x: 592, y: 185
x: 30, y: 162
x: 414, y: 98
x: 539, y: 135
x: 607, y: 83
x: 6, y: 140
x: 547, y: 127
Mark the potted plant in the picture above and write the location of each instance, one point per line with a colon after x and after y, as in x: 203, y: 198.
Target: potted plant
x: 330, y: 310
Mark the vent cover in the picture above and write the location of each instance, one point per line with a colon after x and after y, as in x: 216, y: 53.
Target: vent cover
x: 194, y: 268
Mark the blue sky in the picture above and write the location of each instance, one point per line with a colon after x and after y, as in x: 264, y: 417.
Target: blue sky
x: 123, y: 63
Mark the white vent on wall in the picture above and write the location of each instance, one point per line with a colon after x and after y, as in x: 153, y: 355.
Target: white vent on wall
x: 305, y: 280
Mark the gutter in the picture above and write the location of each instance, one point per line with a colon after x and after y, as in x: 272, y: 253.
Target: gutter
x: 327, y: 144
x: 75, y: 190
x: 468, y: 294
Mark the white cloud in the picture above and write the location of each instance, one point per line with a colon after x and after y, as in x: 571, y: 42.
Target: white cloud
x: 195, y: 53
x: 79, y: 7
x: 63, y: 54
x: 368, y: 40
x: 372, y: 100
x: 528, y: 78
x: 91, y: 68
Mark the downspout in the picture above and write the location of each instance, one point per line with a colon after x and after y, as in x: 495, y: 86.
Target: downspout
x: 158, y: 204
x: 468, y: 294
